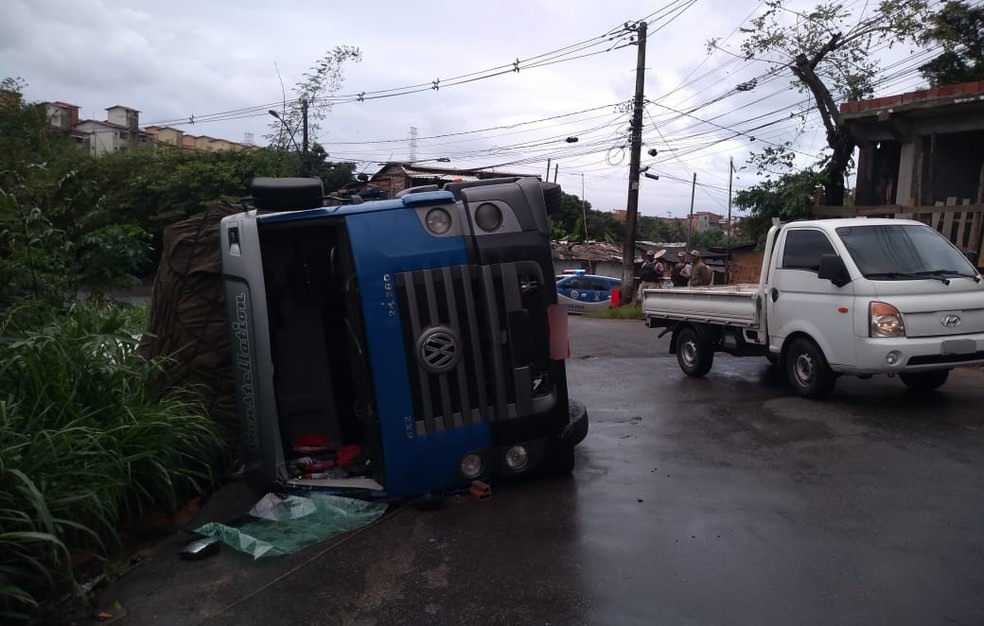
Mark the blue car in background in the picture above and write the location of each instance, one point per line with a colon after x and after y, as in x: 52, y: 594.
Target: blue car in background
x: 585, y: 293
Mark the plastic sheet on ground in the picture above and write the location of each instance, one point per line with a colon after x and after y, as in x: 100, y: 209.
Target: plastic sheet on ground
x: 292, y: 523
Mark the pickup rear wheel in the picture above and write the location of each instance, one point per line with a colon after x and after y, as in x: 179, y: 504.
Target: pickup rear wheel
x: 807, y: 369
x: 694, y: 353
x: 925, y: 381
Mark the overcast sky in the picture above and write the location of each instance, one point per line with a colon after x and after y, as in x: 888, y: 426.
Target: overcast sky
x: 181, y: 58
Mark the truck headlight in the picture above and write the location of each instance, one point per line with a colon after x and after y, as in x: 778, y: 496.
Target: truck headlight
x: 438, y: 221
x: 488, y: 217
x: 517, y: 458
x: 885, y: 320
x: 470, y: 466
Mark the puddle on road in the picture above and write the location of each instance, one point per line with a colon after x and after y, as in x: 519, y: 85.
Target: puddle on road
x: 826, y: 419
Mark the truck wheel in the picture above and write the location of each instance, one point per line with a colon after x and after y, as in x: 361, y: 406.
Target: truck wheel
x: 807, y: 369
x: 558, y: 458
x: 694, y: 354
x: 925, y: 381
x: 577, y: 427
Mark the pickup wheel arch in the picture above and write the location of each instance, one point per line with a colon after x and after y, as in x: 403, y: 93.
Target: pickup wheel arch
x: 694, y: 349
x: 806, y: 367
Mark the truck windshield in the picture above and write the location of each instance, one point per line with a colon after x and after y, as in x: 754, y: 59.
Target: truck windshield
x: 903, y: 252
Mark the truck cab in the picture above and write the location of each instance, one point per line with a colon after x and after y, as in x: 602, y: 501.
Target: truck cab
x: 400, y: 347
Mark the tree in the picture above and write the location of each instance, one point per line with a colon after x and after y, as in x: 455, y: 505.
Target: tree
x: 333, y: 175
x: 831, y: 57
x: 789, y: 197
x: 704, y: 239
x: 959, y: 28
x: 321, y: 82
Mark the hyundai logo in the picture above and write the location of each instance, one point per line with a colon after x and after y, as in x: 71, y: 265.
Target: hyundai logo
x: 438, y: 350
x: 950, y: 321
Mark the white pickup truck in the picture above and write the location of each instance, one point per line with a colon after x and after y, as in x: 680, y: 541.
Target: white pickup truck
x: 838, y: 296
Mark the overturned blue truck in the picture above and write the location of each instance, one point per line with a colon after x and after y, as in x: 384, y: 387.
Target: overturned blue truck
x: 398, y: 347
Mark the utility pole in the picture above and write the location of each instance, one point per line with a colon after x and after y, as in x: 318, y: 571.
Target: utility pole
x: 548, y: 171
x: 727, y: 258
x: 584, y: 212
x: 690, y: 220
x: 304, y: 138
x: 632, y: 203
x: 556, y: 167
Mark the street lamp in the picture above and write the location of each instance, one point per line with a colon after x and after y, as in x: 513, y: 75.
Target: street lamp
x: 287, y: 126
x: 439, y: 160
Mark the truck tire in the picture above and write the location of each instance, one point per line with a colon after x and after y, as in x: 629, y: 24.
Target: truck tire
x: 925, y: 381
x: 577, y: 428
x: 558, y: 458
x: 694, y: 353
x: 807, y: 369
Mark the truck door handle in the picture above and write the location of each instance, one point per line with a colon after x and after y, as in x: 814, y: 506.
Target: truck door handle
x: 774, y: 293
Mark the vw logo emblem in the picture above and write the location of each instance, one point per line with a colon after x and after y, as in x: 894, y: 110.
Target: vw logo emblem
x: 950, y: 321
x: 438, y: 350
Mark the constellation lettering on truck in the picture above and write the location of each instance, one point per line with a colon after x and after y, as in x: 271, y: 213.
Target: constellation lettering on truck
x: 390, y: 295
x: 240, y: 329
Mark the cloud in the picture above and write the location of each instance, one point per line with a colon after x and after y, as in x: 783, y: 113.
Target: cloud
x: 176, y: 59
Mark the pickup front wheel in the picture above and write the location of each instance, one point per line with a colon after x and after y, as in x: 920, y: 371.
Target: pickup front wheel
x: 925, y: 381
x: 694, y: 353
x: 807, y: 369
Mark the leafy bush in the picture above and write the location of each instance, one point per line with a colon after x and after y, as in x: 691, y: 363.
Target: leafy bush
x: 86, y: 443
x: 113, y: 256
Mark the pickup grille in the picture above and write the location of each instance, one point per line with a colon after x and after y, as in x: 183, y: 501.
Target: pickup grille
x: 467, y: 345
x: 939, y: 359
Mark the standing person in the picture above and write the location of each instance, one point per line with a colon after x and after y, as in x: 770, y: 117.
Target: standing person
x: 680, y: 274
x: 651, y: 273
x: 701, y: 274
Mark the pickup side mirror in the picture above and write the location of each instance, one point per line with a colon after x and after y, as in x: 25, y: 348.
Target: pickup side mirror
x: 832, y: 268
x: 972, y: 256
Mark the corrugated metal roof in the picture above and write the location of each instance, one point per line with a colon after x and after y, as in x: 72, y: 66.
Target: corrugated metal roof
x: 465, y: 178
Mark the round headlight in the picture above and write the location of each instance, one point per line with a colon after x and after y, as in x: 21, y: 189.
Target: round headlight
x: 470, y: 466
x: 517, y: 458
x: 488, y: 217
x: 438, y: 221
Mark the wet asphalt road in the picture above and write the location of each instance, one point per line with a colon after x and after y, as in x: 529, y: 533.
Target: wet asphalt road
x: 724, y: 500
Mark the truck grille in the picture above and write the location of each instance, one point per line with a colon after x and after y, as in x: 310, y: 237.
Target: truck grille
x: 467, y: 344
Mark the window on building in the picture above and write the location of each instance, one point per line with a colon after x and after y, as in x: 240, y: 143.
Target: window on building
x: 124, y: 134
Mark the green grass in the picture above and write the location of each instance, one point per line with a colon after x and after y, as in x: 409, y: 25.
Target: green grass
x: 87, y: 443
x: 621, y: 313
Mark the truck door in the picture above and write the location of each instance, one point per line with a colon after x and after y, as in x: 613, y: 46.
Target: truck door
x: 798, y: 301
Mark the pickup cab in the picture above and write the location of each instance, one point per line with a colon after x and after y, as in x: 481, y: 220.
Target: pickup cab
x: 836, y: 297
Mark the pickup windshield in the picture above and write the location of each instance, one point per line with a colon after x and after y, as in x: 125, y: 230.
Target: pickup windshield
x: 903, y: 252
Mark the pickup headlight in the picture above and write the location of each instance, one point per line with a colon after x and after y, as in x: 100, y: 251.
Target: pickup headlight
x: 884, y: 320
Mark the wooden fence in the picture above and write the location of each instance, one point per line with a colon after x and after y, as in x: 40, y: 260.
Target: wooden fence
x: 962, y: 223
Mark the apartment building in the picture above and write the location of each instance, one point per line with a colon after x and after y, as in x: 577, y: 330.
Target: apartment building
x: 121, y: 131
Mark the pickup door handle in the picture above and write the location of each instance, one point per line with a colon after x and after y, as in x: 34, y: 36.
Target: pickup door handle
x: 774, y: 294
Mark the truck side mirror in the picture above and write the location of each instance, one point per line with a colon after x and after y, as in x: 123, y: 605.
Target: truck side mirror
x: 832, y: 268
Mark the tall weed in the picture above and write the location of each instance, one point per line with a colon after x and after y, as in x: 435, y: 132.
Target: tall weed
x: 87, y: 441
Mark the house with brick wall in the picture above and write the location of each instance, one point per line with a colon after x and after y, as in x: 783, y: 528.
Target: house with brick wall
x: 396, y: 176
x: 921, y: 156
